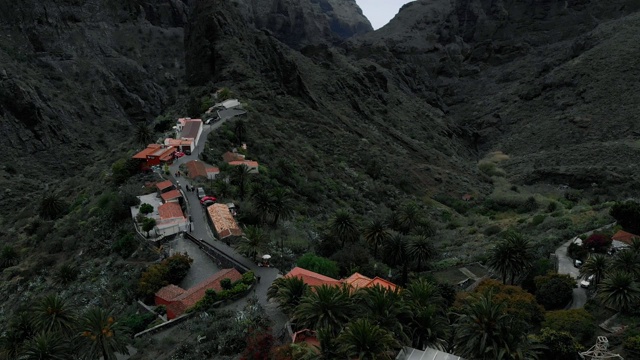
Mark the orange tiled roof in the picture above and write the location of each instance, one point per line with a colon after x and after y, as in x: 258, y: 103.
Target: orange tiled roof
x: 170, y: 195
x: 625, y: 237
x: 189, y: 298
x: 357, y: 281
x: 150, y: 149
x: 170, y: 210
x: 213, y: 170
x: 231, y: 156
x: 196, y: 168
x: 170, y: 292
x: 224, y: 223
x: 311, y: 278
x: 383, y: 283
x: 249, y: 163
x: 164, y: 185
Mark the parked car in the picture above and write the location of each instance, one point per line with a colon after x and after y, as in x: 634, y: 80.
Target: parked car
x: 207, y: 198
x: 178, y: 154
x: 187, y: 152
x: 207, y: 203
x: 577, y: 263
x: 201, y: 193
x: 586, y: 282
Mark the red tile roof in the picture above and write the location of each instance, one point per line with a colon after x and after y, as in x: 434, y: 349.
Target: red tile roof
x: 186, y: 299
x: 357, y: 281
x: 625, y: 237
x: 170, y: 210
x: 196, y: 168
x: 164, y: 185
x: 248, y: 163
x: 231, y: 156
x: 311, y: 278
x: 170, y: 195
x: 223, y: 222
x: 170, y: 292
x: 150, y: 149
x: 213, y: 170
x: 383, y: 283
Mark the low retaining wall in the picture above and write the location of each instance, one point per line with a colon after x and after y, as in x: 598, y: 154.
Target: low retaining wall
x: 164, y: 326
x: 220, y: 258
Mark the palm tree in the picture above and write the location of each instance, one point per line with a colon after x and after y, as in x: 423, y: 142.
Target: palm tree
x: 482, y: 329
x: 383, y: 307
x: 253, y: 242
x: 409, y: 217
x: 363, y: 340
x: 11, y: 345
x: 53, y: 314
x: 326, y: 306
x: 343, y: 226
x: 263, y: 203
x: 328, y: 344
x: 47, y: 346
x: 427, y: 323
x: 240, y: 131
x: 596, y: 265
x: 619, y: 291
x: 101, y: 335
x: 223, y: 189
x: 8, y: 256
x: 511, y: 257
x: 627, y: 261
x: 376, y: 234
x: 288, y: 292
x: 635, y: 245
x: 241, y: 177
x: 420, y: 249
x: 282, y: 207
x: 51, y: 207
x: 397, y: 254
x: 143, y: 134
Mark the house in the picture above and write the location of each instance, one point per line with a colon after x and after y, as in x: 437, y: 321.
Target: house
x: 230, y: 156
x: 177, y: 300
x: 196, y: 169
x: 212, y: 173
x: 170, y: 213
x: 180, y: 144
x: 165, y: 186
x: 228, y: 104
x: 312, y: 278
x: 171, y: 196
x: 252, y: 165
x: 359, y: 281
x: 155, y: 154
x: 224, y: 224
x: 355, y: 281
x: 429, y: 353
x: 622, y: 239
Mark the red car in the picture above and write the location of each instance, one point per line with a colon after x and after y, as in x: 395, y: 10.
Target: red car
x: 178, y: 154
x: 207, y: 198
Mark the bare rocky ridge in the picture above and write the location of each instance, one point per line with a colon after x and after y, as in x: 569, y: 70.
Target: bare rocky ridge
x: 78, y: 73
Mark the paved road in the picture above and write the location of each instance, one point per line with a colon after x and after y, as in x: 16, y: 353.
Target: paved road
x: 201, y: 229
x: 565, y: 266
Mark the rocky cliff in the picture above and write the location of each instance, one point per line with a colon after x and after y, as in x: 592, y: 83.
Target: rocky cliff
x: 545, y: 81
x: 76, y: 74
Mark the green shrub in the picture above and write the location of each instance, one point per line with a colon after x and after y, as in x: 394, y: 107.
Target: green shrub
x: 577, y: 322
x: 146, y: 208
x: 490, y: 169
x: 492, y: 230
x: 249, y: 277
x: 138, y: 322
x: 226, y: 284
x: 553, y: 206
x: 632, y: 344
x: 554, y: 291
x: 125, y: 245
x: 538, y: 219
x: 529, y: 205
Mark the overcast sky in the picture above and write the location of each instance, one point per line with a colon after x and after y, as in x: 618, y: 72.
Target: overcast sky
x: 379, y: 12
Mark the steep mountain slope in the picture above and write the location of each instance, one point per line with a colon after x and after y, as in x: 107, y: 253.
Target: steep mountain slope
x: 350, y: 113
x: 77, y: 74
x: 547, y: 82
